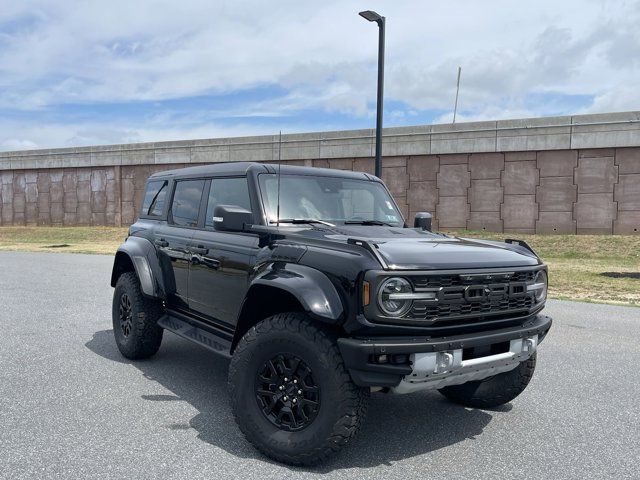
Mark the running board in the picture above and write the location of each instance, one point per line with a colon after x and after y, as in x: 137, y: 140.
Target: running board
x: 208, y: 340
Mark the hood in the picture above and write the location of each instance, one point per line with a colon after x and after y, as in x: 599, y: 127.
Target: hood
x: 409, y: 249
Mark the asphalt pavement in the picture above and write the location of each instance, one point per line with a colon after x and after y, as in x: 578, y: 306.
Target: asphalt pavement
x: 72, y: 407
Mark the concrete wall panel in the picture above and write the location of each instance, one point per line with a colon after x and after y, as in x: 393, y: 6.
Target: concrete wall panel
x: 489, y: 221
x: 557, y: 163
x: 452, y: 212
x: 397, y: 180
x: 556, y: 223
x: 423, y: 168
x: 628, y: 160
x: 485, y: 195
x: 422, y: 197
x: 556, y: 194
x: 596, y: 175
x: 519, y: 212
x: 453, y: 180
x: 627, y: 223
x: 627, y: 192
x: 486, y: 165
x: 595, y: 212
x: 520, y: 177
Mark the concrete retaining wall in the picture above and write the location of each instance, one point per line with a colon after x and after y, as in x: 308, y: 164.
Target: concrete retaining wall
x: 549, y: 175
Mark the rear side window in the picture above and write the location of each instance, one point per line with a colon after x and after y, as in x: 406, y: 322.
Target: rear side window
x: 227, y: 191
x: 186, y: 202
x: 154, y: 198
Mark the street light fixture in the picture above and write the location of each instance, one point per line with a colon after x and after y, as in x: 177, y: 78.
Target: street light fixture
x: 372, y: 16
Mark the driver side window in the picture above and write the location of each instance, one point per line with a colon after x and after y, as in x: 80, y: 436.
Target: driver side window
x: 227, y: 191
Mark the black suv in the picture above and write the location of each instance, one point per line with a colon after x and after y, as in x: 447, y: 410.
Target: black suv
x: 310, y: 280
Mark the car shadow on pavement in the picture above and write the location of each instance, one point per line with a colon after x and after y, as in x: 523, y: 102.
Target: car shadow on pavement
x: 397, y: 426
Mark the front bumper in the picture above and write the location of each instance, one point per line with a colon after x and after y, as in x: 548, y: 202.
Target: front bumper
x: 360, y: 354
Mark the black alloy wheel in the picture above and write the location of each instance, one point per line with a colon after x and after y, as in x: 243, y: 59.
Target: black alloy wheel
x: 135, y: 319
x: 125, y: 315
x: 287, y: 393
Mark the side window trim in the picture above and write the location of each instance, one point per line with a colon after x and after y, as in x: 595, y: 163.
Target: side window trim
x: 152, y: 206
x: 202, y: 213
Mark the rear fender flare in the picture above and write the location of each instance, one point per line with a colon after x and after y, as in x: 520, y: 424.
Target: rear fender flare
x: 140, y: 253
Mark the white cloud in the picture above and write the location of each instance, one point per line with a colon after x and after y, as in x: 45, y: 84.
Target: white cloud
x: 54, y: 53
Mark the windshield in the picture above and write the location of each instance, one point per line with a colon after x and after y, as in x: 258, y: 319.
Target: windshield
x: 332, y: 199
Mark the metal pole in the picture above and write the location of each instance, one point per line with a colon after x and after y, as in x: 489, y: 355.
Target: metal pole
x: 455, y: 107
x: 379, y: 105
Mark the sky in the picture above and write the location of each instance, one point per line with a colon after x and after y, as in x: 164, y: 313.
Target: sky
x: 75, y: 73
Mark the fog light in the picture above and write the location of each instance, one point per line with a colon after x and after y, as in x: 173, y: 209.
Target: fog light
x: 382, y: 359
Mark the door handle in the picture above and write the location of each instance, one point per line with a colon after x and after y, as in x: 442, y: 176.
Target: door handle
x: 161, y: 243
x: 200, y: 250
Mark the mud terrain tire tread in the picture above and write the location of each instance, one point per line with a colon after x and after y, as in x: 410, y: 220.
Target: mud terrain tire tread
x: 146, y: 336
x: 351, y: 408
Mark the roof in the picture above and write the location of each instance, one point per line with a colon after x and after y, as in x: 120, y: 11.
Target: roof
x: 242, y: 168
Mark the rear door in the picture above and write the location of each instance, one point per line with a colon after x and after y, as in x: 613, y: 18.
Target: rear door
x: 173, y: 239
x: 221, y: 261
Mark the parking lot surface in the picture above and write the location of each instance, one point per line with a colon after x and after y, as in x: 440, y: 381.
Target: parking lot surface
x: 72, y: 407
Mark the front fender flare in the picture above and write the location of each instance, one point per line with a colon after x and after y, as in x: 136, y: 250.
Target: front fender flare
x: 142, y: 255
x: 309, y: 286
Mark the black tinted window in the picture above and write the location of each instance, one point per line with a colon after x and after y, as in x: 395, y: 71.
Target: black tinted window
x: 186, y: 202
x: 154, y: 198
x: 227, y: 191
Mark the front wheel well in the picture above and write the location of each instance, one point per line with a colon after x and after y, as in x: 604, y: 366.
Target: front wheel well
x: 121, y: 264
x: 263, y: 301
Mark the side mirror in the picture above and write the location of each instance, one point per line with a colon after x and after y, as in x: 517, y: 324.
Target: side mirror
x: 231, y: 218
x: 422, y: 220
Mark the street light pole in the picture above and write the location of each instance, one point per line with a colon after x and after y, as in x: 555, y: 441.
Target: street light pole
x: 380, y: 20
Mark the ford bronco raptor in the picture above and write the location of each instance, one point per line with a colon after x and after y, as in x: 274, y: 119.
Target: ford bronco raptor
x: 311, y: 282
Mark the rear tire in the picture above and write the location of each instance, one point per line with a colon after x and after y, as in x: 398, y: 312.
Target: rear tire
x: 493, y: 391
x: 135, y: 319
x: 290, y: 351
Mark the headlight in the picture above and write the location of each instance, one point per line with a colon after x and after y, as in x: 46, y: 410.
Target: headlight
x: 390, y: 296
x: 539, y: 286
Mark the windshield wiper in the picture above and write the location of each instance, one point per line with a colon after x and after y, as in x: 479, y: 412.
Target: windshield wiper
x: 302, y: 221
x: 368, y: 222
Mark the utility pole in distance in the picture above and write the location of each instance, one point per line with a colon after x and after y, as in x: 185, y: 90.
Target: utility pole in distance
x: 380, y: 20
x: 455, y: 107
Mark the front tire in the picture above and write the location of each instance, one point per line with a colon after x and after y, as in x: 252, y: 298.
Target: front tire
x: 493, y: 391
x: 291, y: 394
x: 135, y: 319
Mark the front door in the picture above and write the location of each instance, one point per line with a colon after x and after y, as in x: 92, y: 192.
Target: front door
x: 221, y: 261
x: 173, y: 240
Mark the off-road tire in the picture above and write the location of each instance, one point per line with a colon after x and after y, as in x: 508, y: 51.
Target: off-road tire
x: 493, y: 391
x: 342, y: 405
x: 144, y: 335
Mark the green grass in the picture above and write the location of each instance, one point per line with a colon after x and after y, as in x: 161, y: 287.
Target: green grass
x: 576, y: 262
x: 98, y: 240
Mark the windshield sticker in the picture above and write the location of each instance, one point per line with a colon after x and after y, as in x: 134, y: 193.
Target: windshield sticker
x: 389, y: 206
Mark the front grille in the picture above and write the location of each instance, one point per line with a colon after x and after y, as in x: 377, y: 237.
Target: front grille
x: 451, y: 280
x: 472, y: 296
x: 426, y: 311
